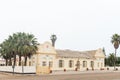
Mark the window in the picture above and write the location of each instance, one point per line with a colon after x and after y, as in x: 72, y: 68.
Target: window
x: 71, y: 63
x: 98, y: 64
x: 61, y: 62
x: 43, y: 63
x: 92, y: 64
x: 78, y: 64
x: 101, y: 64
x: 50, y: 64
x: 84, y: 63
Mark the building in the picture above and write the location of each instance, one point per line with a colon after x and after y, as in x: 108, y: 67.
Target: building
x: 48, y: 58
x: 2, y: 61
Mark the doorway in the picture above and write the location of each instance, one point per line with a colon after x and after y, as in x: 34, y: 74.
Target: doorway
x: 78, y: 65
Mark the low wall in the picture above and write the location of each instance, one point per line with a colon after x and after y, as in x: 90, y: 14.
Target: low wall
x: 31, y: 69
x: 18, y: 69
x: 112, y: 68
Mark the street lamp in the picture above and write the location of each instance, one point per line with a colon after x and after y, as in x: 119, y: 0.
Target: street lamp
x: 22, y: 58
x: 13, y: 66
x: 37, y: 64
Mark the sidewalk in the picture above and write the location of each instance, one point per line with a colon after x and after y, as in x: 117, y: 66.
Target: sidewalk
x: 64, y: 73
x: 82, y: 72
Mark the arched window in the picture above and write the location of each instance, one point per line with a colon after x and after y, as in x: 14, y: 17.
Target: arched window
x: 98, y: 64
x: 78, y: 64
x: 84, y: 63
x: 71, y: 63
x: 101, y: 64
x: 50, y: 64
x: 44, y: 63
x: 61, y: 63
x: 92, y: 64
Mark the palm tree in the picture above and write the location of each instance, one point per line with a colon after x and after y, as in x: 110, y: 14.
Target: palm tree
x: 53, y: 38
x: 15, y: 43
x: 24, y: 45
x: 115, y: 41
x: 10, y: 48
x: 20, y: 44
x: 30, y: 46
x: 4, y: 55
x: 5, y: 52
x: 104, y: 51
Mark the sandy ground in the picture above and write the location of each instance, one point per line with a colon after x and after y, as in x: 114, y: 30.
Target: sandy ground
x: 113, y: 75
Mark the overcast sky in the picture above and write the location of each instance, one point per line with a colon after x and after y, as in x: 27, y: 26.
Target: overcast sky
x: 78, y: 24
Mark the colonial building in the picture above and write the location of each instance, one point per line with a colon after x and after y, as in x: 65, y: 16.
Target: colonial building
x: 49, y: 58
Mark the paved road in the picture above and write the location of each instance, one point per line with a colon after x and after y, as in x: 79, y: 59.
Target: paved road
x: 85, y: 76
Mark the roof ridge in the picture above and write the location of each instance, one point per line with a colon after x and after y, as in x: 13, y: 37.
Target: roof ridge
x: 75, y: 50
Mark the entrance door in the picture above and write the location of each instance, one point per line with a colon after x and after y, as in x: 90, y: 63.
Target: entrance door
x: 43, y: 69
x: 92, y: 64
x: 78, y: 64
x: 50, y: 64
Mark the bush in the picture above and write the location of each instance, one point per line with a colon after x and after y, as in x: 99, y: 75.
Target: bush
x: 116, y: 69
x: 101, y: 68
x: 50, y: 71
x: 75, y: 69
x: 64, y: 70
x: 87, y: 69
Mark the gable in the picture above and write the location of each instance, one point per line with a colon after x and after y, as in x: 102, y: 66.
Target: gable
x: 46, y: 48
x: 99, y: 53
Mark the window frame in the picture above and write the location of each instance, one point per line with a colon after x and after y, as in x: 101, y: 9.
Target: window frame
x: 61, y: 63
x: 71, y: 63
x: 84, y: 64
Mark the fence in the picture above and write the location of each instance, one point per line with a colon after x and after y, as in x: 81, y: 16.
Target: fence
x: 18, y: 69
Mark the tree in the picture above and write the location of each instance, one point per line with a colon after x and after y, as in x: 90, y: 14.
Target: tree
x: 104, y: 51
x: 5, y: 52
x: 111, y: 59
x: 118, y: 61
x: 21, y: 44
x: 115, y: 41
x: 26, y: 46
x: 106, y: 62
x: 53, y: 38
x: 30, y: 46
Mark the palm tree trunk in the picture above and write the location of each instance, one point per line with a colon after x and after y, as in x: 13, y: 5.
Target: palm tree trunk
x: 6, y: 62
x: 14, y: 59
x: 115, y: 59
x: 20, y: 60
x: 25, y: 60
x: 10, y: 62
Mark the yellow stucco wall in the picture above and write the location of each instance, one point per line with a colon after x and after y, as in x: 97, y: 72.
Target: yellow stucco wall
x: 48, y: 53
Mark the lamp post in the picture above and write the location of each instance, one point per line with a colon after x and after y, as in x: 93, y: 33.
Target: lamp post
x: 22, y: 58
x: 13, y: 66
x: 37, y: 65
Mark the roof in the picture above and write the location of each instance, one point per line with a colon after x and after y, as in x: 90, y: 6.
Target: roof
x: 76, y: 54
x: 91, y: 53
